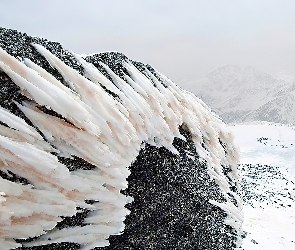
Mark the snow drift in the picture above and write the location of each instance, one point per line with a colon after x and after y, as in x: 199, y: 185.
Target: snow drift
x: 104, y: 119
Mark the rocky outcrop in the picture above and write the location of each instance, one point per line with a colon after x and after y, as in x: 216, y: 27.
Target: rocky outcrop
x: 107, y: 153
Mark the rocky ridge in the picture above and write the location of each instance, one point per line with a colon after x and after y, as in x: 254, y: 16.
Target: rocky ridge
x: 172, y: 192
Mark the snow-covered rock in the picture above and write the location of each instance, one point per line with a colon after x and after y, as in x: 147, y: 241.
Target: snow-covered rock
x: 106, y: 152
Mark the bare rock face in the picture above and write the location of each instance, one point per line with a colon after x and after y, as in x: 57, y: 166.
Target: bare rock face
x: 103, y: 152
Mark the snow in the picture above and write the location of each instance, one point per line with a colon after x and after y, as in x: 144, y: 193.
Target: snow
x: 278, y: 149
x: 105, y: 131
x: 269, y: 209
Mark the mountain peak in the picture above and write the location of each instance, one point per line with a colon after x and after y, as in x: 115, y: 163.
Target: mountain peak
x: 245, y: 94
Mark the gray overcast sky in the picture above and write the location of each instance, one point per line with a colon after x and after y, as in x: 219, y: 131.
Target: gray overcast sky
x: 182, y: 39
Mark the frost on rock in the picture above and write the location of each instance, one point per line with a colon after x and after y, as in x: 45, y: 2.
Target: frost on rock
x: 104, y: 119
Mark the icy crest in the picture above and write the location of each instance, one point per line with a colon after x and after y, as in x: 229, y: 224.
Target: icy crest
x: 103, y: 129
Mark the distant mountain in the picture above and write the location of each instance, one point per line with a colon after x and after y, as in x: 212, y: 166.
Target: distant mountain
x: 246, y: 94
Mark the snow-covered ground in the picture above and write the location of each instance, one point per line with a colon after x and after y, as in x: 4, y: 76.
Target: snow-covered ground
x: 267, y: 171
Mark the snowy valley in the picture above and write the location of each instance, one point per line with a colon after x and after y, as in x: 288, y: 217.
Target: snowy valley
x: 267, y: 174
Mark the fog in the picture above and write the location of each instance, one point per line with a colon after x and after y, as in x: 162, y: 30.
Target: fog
x: 182, y: 39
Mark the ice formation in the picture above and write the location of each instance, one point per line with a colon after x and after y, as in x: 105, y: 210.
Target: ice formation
x: 106, y: 130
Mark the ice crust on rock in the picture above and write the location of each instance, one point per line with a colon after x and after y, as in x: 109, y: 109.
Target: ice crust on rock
x: 106, y: 130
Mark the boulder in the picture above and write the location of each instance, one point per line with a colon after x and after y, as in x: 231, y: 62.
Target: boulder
x: 102, y: 152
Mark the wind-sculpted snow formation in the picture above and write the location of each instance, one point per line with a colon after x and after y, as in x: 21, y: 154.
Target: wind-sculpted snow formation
x: 73, y: 139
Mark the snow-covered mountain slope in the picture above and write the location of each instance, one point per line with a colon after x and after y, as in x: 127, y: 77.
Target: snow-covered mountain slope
x: 246, y: 94
x: 267, y: 172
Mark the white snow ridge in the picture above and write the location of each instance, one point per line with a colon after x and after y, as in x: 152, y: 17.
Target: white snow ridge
x: 103, y: 129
